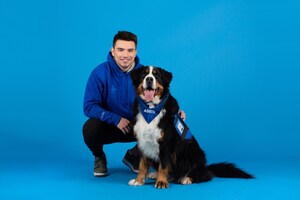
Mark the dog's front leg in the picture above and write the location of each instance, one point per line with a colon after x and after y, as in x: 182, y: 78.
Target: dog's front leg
x: 143, y: 170
x: 162, y: 177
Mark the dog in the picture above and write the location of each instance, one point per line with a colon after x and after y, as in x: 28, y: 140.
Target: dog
x: 162, y: 147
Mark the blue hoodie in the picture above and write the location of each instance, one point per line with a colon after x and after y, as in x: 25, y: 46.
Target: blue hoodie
x: 109, y: 93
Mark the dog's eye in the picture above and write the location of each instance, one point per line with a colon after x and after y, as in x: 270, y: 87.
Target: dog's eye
x: 144, y: 73
x: 155, y: 73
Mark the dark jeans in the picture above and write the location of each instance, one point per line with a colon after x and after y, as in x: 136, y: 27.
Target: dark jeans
x: 97, y: 133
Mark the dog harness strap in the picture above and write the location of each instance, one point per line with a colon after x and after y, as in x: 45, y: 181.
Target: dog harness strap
x: 181, y: 128
x: 150, y: 113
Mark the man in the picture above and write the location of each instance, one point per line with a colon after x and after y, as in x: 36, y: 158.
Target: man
x: 108, y: 101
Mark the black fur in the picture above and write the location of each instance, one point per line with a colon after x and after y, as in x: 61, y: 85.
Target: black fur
x: 182, y: 157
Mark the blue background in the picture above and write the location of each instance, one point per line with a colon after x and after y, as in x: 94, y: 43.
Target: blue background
x: 236, y: 75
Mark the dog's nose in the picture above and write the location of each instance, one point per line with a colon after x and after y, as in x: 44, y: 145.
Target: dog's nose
x: 149, y: 79
x: 149, y: 82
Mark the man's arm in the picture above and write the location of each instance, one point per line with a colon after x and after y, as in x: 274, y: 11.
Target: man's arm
x: 93, y: 102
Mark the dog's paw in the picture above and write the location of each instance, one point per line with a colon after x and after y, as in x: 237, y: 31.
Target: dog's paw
x: 152, y: 175
x: 185, y: 180
x: 161, y: 184
x: 134, y: 182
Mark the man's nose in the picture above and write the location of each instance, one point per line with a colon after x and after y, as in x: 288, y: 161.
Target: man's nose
x: 125, y: 53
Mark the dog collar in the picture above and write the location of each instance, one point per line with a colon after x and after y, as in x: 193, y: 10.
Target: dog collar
x: 150, y: 113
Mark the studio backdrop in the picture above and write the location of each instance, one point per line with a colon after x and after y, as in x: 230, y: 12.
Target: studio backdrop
x: 235, y: 66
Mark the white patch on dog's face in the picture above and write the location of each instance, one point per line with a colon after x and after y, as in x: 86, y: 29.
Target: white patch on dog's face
x: 150, y: 76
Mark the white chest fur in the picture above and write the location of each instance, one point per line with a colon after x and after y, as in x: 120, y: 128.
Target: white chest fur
x: 148, y: 135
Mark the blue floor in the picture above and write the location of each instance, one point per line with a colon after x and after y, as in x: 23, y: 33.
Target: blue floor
x: 73, y: 179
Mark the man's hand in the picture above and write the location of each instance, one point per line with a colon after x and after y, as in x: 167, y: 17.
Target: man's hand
x: 182, y: 114
x: 124, y: 125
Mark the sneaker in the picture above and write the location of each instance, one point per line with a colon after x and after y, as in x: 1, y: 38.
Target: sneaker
x: 132, y: 161
x: 100, y: 168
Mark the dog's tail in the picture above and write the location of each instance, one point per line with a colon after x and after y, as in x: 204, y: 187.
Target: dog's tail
x: 228, y: 170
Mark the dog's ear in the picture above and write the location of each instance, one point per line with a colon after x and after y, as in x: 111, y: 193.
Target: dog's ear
x: 135, y: 75
x: 167, y: 76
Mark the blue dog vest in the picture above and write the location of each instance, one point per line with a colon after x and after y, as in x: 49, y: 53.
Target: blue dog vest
x: 150, y: 113
x: 181, y: 128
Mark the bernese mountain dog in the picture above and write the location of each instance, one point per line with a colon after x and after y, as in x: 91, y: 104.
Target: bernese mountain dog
x: 164, y: 144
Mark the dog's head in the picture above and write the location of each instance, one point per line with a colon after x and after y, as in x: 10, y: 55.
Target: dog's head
x: 151, y: 83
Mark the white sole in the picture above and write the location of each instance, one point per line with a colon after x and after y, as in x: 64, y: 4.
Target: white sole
x: 99, y: 174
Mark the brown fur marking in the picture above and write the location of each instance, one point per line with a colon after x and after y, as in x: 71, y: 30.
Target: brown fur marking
x: 162, y: 178
x: 143, y: 170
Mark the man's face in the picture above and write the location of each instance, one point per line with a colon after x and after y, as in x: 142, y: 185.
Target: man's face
x: 124, y: 53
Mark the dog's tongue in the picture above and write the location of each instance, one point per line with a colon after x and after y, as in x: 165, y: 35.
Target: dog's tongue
x: 149, y: 95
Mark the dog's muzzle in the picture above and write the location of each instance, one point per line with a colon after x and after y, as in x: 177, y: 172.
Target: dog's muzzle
x: 149, y: 83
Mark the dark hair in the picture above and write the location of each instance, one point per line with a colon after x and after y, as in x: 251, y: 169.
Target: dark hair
x: 125, y: 35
